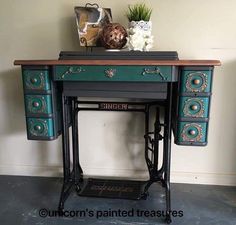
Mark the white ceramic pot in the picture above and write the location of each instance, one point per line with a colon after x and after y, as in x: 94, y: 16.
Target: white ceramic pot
x: 140, y: 35
x: 143, y: 25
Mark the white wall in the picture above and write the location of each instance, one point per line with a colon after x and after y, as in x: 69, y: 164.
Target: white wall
x: 196, y: 29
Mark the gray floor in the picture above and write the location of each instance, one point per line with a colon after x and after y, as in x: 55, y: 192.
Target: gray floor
x: 21, y: 198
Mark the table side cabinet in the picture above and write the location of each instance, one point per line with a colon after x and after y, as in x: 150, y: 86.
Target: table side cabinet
x: 193, y: 105
x: 42, y: 103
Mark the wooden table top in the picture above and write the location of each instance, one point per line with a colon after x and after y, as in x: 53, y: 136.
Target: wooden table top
x: 120, y: 62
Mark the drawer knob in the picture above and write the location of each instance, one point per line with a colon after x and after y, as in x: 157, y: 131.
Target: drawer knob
x: 35, y: 104
x: 34, y: 80
x: 192, y: 132
x: 38, y: 127
x: 110, y: 72
x: 196, y: 81
x: 194, y: 107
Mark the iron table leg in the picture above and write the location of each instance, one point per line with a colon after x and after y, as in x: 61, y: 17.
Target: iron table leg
x: 67, y: 182
x: 76, y: 165
x: 167, y: 151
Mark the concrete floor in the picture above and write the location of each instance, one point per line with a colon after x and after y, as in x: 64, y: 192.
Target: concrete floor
x: 21, y: 198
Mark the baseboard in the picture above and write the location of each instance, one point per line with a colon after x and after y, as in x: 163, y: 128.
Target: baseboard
x: 176, y: 176
x: 203, y: 178
x: 22, y: 170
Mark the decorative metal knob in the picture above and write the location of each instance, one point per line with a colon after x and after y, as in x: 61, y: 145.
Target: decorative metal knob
x: 110, y: 72
x: 196, y: 81
x: 35, y: 104
x: 38, y: 127
x: 33, y: 80
x: 192, y: 132
x: 194, y: 107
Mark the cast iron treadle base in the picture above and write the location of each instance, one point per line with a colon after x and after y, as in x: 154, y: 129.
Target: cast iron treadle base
x: 123, y: 189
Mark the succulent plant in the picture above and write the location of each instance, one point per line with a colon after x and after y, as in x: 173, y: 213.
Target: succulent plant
x: 138, y: 12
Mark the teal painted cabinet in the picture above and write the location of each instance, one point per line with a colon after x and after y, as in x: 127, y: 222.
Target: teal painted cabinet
x: 193, y: 105
x: 42, y: 105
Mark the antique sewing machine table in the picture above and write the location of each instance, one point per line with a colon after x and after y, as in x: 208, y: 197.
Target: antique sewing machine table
x: 52, y: 91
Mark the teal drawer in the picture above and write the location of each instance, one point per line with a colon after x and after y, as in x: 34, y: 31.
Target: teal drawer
x: 194, y: 107
x: 41, y: 104
x: 195, y: 81
x: 191, y: 132
x: 114, y: 73
x: 36, y: 79
x: 40, y: 127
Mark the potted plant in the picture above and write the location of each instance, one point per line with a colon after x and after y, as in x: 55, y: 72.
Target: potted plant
x: 140, y: 27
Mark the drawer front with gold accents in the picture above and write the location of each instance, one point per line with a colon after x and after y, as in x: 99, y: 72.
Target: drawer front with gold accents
x: 115, y: 73
x: 193, y: 107
x: 192, y: 133
x: 40, y: 128
x: 196, y: 81
x: 38, y: 104
x: 36, y: 79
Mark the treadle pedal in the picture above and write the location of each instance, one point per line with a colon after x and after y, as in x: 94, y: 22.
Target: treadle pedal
x: 104, y: 188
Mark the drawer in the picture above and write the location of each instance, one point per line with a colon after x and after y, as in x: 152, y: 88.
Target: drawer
x: 36, y: 79
x: 114, y: 73
x: 40, y: 127
x: 195, y: 81
x: 41, y: 104
x: 194, y: 107
x: 191, y: 132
